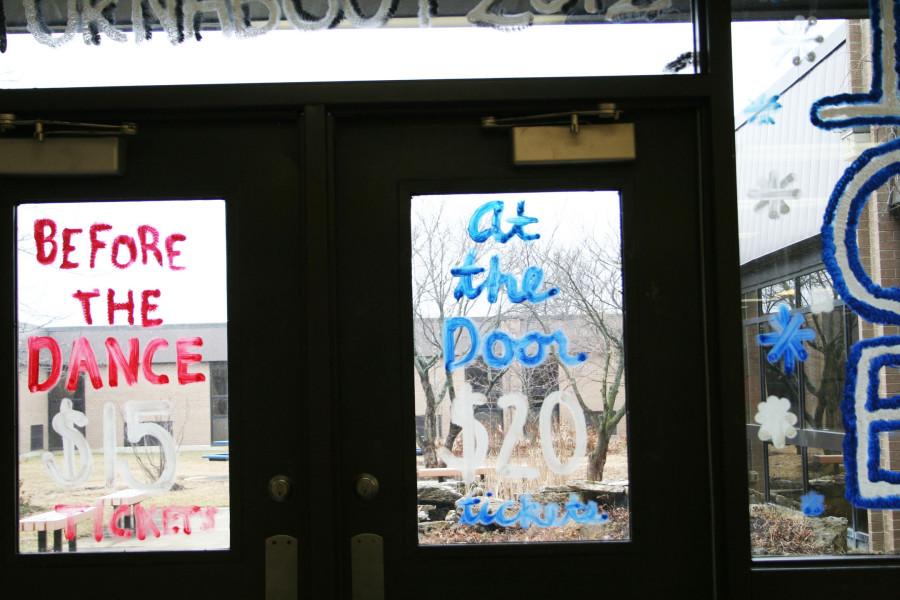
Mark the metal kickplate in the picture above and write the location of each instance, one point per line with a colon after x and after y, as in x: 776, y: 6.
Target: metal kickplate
x: 281, y: 567
x: 367, y: 566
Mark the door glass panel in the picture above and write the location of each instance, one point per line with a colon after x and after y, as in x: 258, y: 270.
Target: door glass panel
x: 818, y: 207
x: 122, y: 376
x: 519, y: 368
x: 359, y: 40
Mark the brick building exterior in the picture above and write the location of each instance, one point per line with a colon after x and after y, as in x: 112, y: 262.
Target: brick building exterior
x: 196, y: 416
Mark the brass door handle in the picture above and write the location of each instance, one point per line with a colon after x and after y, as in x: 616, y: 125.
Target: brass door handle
x: 367, y: 486
x: 280, y: 488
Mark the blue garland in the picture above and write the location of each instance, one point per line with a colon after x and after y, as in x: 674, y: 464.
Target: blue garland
x: 857, y: 204
x: 876, y: 473
x: 873, y: 403
x: 851, y: 439
x: 874, y: 95
x: 873, y: 400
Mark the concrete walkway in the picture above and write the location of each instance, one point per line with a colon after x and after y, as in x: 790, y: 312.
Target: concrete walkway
x: 216, y: 538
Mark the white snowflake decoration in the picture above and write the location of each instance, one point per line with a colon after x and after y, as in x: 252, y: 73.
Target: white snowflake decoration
x: 821, y: 301
x: 776, y: 421
x: 774, y: 193
x: 800, y: 40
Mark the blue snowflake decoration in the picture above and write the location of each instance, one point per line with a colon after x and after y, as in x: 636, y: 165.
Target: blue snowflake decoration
x: 761, y: 110
x: 786, y: 339
x: 812, y: 504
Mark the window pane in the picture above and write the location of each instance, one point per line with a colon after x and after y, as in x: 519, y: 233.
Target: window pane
x: 779, y: 384
x: 436, y: 39
x: 518, y: 346
x: 782, y: 292
x: 823, y: 371
x: 818, y: 238
x: 786, y: 475
x: 121, y: 316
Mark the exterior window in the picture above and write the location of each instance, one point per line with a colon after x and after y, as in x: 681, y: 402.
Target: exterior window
x: 819, y: 475
x: 779, y: 478
x: 451, y: 40
x: 37, y: 437
x: 123, y: 323
x: 484, y: 380
x: 218, y: 400
x: 54, y: 400
x: 147, y: 440
x: 487, y: 381
x: 542, y: 381
x: 518, y: 343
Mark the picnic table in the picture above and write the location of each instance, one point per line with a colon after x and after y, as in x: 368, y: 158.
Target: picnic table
x: 441, y: 473
x: 55, y: 522
x: 129, y: 497
x: 217, y: 456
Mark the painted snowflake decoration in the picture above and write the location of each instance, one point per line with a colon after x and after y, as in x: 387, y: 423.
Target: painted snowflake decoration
x: 681, y: 62
x: 801, y: 42
x: 786, y: 338
x: 761, y: 110
x: 774, y: 193
x: 821, y: 301
x: 812, y: 504
x: 776, y: 421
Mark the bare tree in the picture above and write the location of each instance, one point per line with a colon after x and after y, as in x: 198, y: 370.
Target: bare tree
x: 437, y: 247
x: 433, y: 250
x: 149, y: 455
x: 824, y: 370
x: 589, y: 277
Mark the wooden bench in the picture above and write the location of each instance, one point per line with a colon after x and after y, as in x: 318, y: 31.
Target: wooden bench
x: 56, y: 522
x: 129, y: 497
x: 828, y: 459
x: 441, y: 473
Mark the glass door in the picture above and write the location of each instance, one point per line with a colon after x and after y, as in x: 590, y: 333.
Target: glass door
x: 438, y: 366
x: 156, y: 314
x: 520, y: 400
